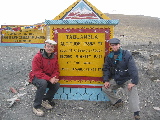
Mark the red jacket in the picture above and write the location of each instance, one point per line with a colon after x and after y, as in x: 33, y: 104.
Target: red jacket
x: 44, y: 67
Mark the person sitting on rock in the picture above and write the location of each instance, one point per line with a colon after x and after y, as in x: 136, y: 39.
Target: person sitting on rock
x: 119, y: 70
x: 44, y: 74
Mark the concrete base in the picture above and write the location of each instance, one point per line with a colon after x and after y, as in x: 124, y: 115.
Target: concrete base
x: 91, y: 94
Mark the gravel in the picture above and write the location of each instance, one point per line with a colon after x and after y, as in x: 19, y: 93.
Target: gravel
x: 138, y: 34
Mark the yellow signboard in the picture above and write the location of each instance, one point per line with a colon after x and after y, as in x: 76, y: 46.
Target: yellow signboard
x: 30, y: 35
x: 81, y: 54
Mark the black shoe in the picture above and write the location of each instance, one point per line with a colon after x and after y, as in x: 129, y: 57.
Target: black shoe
x: 52, y: 103
x: 119, y: 103
x: 137, y: 117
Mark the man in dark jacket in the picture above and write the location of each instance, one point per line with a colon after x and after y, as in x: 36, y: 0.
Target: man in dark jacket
x: 119, y: 70
x: 44, y: 74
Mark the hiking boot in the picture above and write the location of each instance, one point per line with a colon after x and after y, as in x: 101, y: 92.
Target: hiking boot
x: 52, y: 103
x: 46, y: 104
x: 119, y: 103
x: 137, y: 117
x: 39, y: 112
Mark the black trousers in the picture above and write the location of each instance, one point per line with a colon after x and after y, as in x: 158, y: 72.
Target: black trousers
x: 41, y: 94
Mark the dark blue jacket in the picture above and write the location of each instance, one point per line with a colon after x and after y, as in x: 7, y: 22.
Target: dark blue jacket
x: 122, y: 69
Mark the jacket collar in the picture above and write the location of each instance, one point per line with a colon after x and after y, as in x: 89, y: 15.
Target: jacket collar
x: 119, y: 53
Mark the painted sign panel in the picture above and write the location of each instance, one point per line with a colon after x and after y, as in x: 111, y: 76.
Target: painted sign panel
x: 21, y: 34
x: 82, y: 11
x: 81, y: 54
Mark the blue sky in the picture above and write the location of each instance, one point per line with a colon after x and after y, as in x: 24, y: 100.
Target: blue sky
x: 22, y: 12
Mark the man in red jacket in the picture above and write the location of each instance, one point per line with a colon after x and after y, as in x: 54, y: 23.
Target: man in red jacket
x: 44, y: 74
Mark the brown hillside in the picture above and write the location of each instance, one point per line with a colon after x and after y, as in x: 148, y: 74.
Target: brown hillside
x: 137, y: 28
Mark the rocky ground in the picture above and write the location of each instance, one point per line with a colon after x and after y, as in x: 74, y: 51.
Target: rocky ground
x: 139, y: 34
